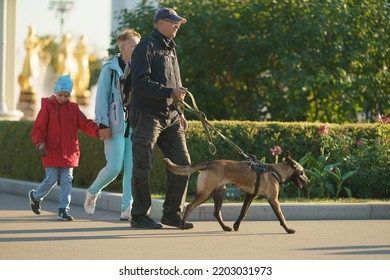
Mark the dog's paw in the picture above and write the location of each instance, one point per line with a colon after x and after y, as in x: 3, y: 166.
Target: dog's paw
x: 290, y: 231
x: 236, y: 227
x: 226, y: 228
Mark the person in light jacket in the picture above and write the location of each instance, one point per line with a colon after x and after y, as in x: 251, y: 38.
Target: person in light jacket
x: 55, y: 135
x: 110, y: 117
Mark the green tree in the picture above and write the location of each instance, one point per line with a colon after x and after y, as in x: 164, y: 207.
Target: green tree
x: 295, y: 60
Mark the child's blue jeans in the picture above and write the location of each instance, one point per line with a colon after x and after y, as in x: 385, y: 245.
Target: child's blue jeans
x: 52, y: 175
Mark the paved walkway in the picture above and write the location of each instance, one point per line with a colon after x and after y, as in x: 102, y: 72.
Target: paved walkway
x: 257, y: 211
x: 105, y: 247
x: 24, y: 235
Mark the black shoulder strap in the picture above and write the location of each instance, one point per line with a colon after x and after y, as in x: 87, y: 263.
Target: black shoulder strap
x: 127, y: 86
x: 112, y: 81
x: 112, y: 76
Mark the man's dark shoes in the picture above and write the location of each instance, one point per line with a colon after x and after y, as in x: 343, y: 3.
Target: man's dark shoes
x: 34, y: 204
x: 175, y: 221
x: 145, y: 222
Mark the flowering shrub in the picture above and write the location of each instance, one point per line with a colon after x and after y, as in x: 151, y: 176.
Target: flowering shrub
x: 276, y: 151
x: 346, y: 161
x: 323, y: 130
x: 326, y: 179
x: 371, y: 158
x: 362, y: 147
x: 383, y: 119
x: 364, y: 160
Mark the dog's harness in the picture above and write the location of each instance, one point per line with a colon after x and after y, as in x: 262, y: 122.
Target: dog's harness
x: 260, y: 168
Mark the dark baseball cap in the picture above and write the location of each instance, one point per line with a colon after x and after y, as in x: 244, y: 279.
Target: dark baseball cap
x: 170, y: 14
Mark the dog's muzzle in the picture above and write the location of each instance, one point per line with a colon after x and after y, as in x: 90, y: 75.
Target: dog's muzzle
x: 303, y: 180
x: 300, y: 180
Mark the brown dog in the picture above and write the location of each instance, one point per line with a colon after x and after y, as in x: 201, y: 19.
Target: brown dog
x: 214, y: 176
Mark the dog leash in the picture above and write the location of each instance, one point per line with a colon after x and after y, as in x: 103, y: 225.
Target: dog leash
x: 206, y: 125
x: 251, y: 159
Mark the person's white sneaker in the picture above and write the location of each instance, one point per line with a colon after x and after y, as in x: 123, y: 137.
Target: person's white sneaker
x: 126, y: 214
x: 90, y: 203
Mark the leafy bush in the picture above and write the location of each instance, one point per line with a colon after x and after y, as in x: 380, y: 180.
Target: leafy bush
x: 370, y: 157
x: 280, y: 60
x: 326, y: 179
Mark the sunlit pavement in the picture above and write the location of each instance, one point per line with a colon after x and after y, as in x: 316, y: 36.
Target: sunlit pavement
x: 26, y: 236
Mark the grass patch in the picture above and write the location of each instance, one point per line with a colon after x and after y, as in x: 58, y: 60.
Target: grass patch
x: 339, y: 200
x: 290, y: 200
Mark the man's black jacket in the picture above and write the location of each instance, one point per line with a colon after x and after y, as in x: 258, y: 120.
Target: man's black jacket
x: 155, y: 73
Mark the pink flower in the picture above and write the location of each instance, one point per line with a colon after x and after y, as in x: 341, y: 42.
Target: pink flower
x: 359, y: 142
x: 323, y: 130
x: 383, y: 119
x: 276, y: 150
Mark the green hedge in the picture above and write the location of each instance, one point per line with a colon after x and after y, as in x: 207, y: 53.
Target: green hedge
x: 19, y: 159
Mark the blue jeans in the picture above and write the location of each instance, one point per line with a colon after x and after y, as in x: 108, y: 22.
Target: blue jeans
x: 52, y: 174
x: 118, y: 154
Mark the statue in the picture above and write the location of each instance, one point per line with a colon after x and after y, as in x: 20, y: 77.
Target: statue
x: 31, y: 71
x: 66, y: 61
x: 31, y: 66
x: 82, y: 78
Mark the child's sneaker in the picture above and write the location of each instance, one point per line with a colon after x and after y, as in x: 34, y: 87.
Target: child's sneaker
x: 34, y: 204
x: 90, y: 203
x: 64, y: 215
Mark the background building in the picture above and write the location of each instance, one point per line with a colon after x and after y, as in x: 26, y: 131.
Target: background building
x: 94, y: 19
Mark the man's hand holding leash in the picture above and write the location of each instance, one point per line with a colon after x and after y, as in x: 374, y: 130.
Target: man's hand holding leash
x: 178, y: 94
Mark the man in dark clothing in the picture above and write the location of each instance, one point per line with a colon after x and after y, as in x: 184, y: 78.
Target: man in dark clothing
x: 157, y: 119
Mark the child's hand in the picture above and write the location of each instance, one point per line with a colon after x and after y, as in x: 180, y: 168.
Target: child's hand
x: 105, y: 133
x: 41, y: 148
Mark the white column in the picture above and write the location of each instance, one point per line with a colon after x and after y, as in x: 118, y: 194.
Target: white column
x: 7, y: 61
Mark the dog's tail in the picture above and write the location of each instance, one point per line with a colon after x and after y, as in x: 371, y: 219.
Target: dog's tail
x: 184, y: 170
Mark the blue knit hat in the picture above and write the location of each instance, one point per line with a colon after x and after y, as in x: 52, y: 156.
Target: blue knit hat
x: 63, y: 83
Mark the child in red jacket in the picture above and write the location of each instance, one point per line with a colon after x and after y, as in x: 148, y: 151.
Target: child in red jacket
x: 55, y: 135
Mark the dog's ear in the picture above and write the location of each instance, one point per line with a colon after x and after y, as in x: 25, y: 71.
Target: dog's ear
x: 290, y: 160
